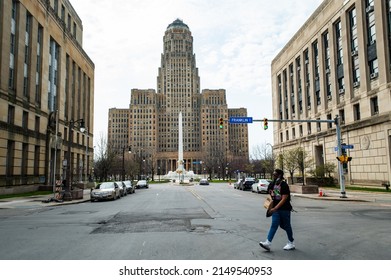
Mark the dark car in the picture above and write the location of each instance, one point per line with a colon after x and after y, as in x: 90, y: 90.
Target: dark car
x: 247, y: 184
x: 122, y: 188
x: 129, y: 187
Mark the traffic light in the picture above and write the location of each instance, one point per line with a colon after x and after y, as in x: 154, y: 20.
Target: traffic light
x: 344, y: 159
x: 265, y: 124
x: 221, y: 123
x: 341, y: 158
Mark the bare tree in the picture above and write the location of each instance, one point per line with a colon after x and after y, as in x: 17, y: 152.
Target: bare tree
x: 304, y: 161
x: 263, y: 158
x: 104, y: 159
x: 291, y: 161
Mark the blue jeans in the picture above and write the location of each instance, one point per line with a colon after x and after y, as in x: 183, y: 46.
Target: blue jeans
x: 281, y: 218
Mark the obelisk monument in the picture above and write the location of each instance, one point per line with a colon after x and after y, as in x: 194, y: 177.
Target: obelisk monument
x: 180, y: 170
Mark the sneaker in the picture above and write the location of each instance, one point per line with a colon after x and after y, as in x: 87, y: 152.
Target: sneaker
x: 265, y: 245
x: 289, y: 246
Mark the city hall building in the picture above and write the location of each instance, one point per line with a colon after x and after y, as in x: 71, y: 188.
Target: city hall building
x: 338, y: 63
x: 151, y: 125
x: 46, y: 92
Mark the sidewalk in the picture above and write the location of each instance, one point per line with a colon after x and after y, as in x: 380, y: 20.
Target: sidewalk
x: 358, y: 196
x: 40, y: 201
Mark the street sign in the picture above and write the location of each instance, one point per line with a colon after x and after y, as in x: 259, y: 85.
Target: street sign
x: 347, y: 147
x: 240, y: 120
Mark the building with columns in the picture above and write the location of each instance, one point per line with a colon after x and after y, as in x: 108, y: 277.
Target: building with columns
x: 338, y: 63
x: 153, y: 115
x: 46, y: 90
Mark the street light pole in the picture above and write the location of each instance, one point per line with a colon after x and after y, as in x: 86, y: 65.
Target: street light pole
x: 123, y: 161
x: 86, y: 164
x: 67, y: 193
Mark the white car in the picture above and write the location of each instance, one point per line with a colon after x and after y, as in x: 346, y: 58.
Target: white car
x: 260, y: 186
x: 105, y: 191
x: 142, y: 184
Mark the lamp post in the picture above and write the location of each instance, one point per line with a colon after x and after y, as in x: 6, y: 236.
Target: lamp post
x: 86, y: 164
x: 123, y: 161
x: 271, y: 146
x: 72, y: 123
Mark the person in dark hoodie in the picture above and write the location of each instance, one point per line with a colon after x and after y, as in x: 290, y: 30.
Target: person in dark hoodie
x: 280, y: 211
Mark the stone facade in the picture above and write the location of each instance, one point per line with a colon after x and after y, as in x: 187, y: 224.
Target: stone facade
x: 45, y: 74
x: 338, y: 63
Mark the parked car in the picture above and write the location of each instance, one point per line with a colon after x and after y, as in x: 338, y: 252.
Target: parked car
x: 129, y: 187
x: 105, y: 191
x: 247, y: 184
x: 122, y: 188
x: 142, y: 184
x: 260, y: 186
x: 204, y: 182
x: 237, y: 183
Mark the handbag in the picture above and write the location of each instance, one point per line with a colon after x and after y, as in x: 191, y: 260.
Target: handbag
x: 268, y: 204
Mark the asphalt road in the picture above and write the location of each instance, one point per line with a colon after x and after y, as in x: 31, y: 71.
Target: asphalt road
x: 215, y: 222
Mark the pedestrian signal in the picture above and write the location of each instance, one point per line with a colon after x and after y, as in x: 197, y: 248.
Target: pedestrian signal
x: 265, y: 126
x: 221, y: 123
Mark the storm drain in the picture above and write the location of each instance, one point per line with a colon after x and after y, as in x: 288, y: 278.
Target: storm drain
x: 171, y: 220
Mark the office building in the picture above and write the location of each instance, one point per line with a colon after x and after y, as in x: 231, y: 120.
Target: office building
x: 338, y: 63
x: 46, y: 92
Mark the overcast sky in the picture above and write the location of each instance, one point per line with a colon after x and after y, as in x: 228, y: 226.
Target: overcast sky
x: 234, y: 43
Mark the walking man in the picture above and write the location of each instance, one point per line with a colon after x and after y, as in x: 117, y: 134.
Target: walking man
x: 280, y: 211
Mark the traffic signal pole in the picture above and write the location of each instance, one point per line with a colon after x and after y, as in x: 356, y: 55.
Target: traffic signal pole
x: 336, y: 121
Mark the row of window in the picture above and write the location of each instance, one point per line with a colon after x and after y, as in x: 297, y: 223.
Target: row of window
x: 288, y: 102
x: 374, y: 107
x: 32, y: 75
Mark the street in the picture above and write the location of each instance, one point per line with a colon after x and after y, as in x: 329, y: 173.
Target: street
x: 215, y: 222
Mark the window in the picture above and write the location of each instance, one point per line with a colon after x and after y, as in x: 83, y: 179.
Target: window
x: 342, y: 116
x: 38, y: 67
x: 329, y: 125
x: 25, y: 149
x: 10, y: 158
x: 37, y: 123
x: 36, y: 160
x: 13, y: 49
x: 338, y: 37
x: 309, y: 128
x: 371, y: 33
x: 354, y: 46
x: 25, y: 120
x: 356, y: 112
x: 11, y: 114
x: 374, y: 106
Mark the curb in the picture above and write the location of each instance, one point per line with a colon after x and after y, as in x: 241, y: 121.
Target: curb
x: 332, y: 198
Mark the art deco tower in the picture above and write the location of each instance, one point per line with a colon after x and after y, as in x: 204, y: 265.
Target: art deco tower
x: 153, y: 117
x: 179, y: 84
